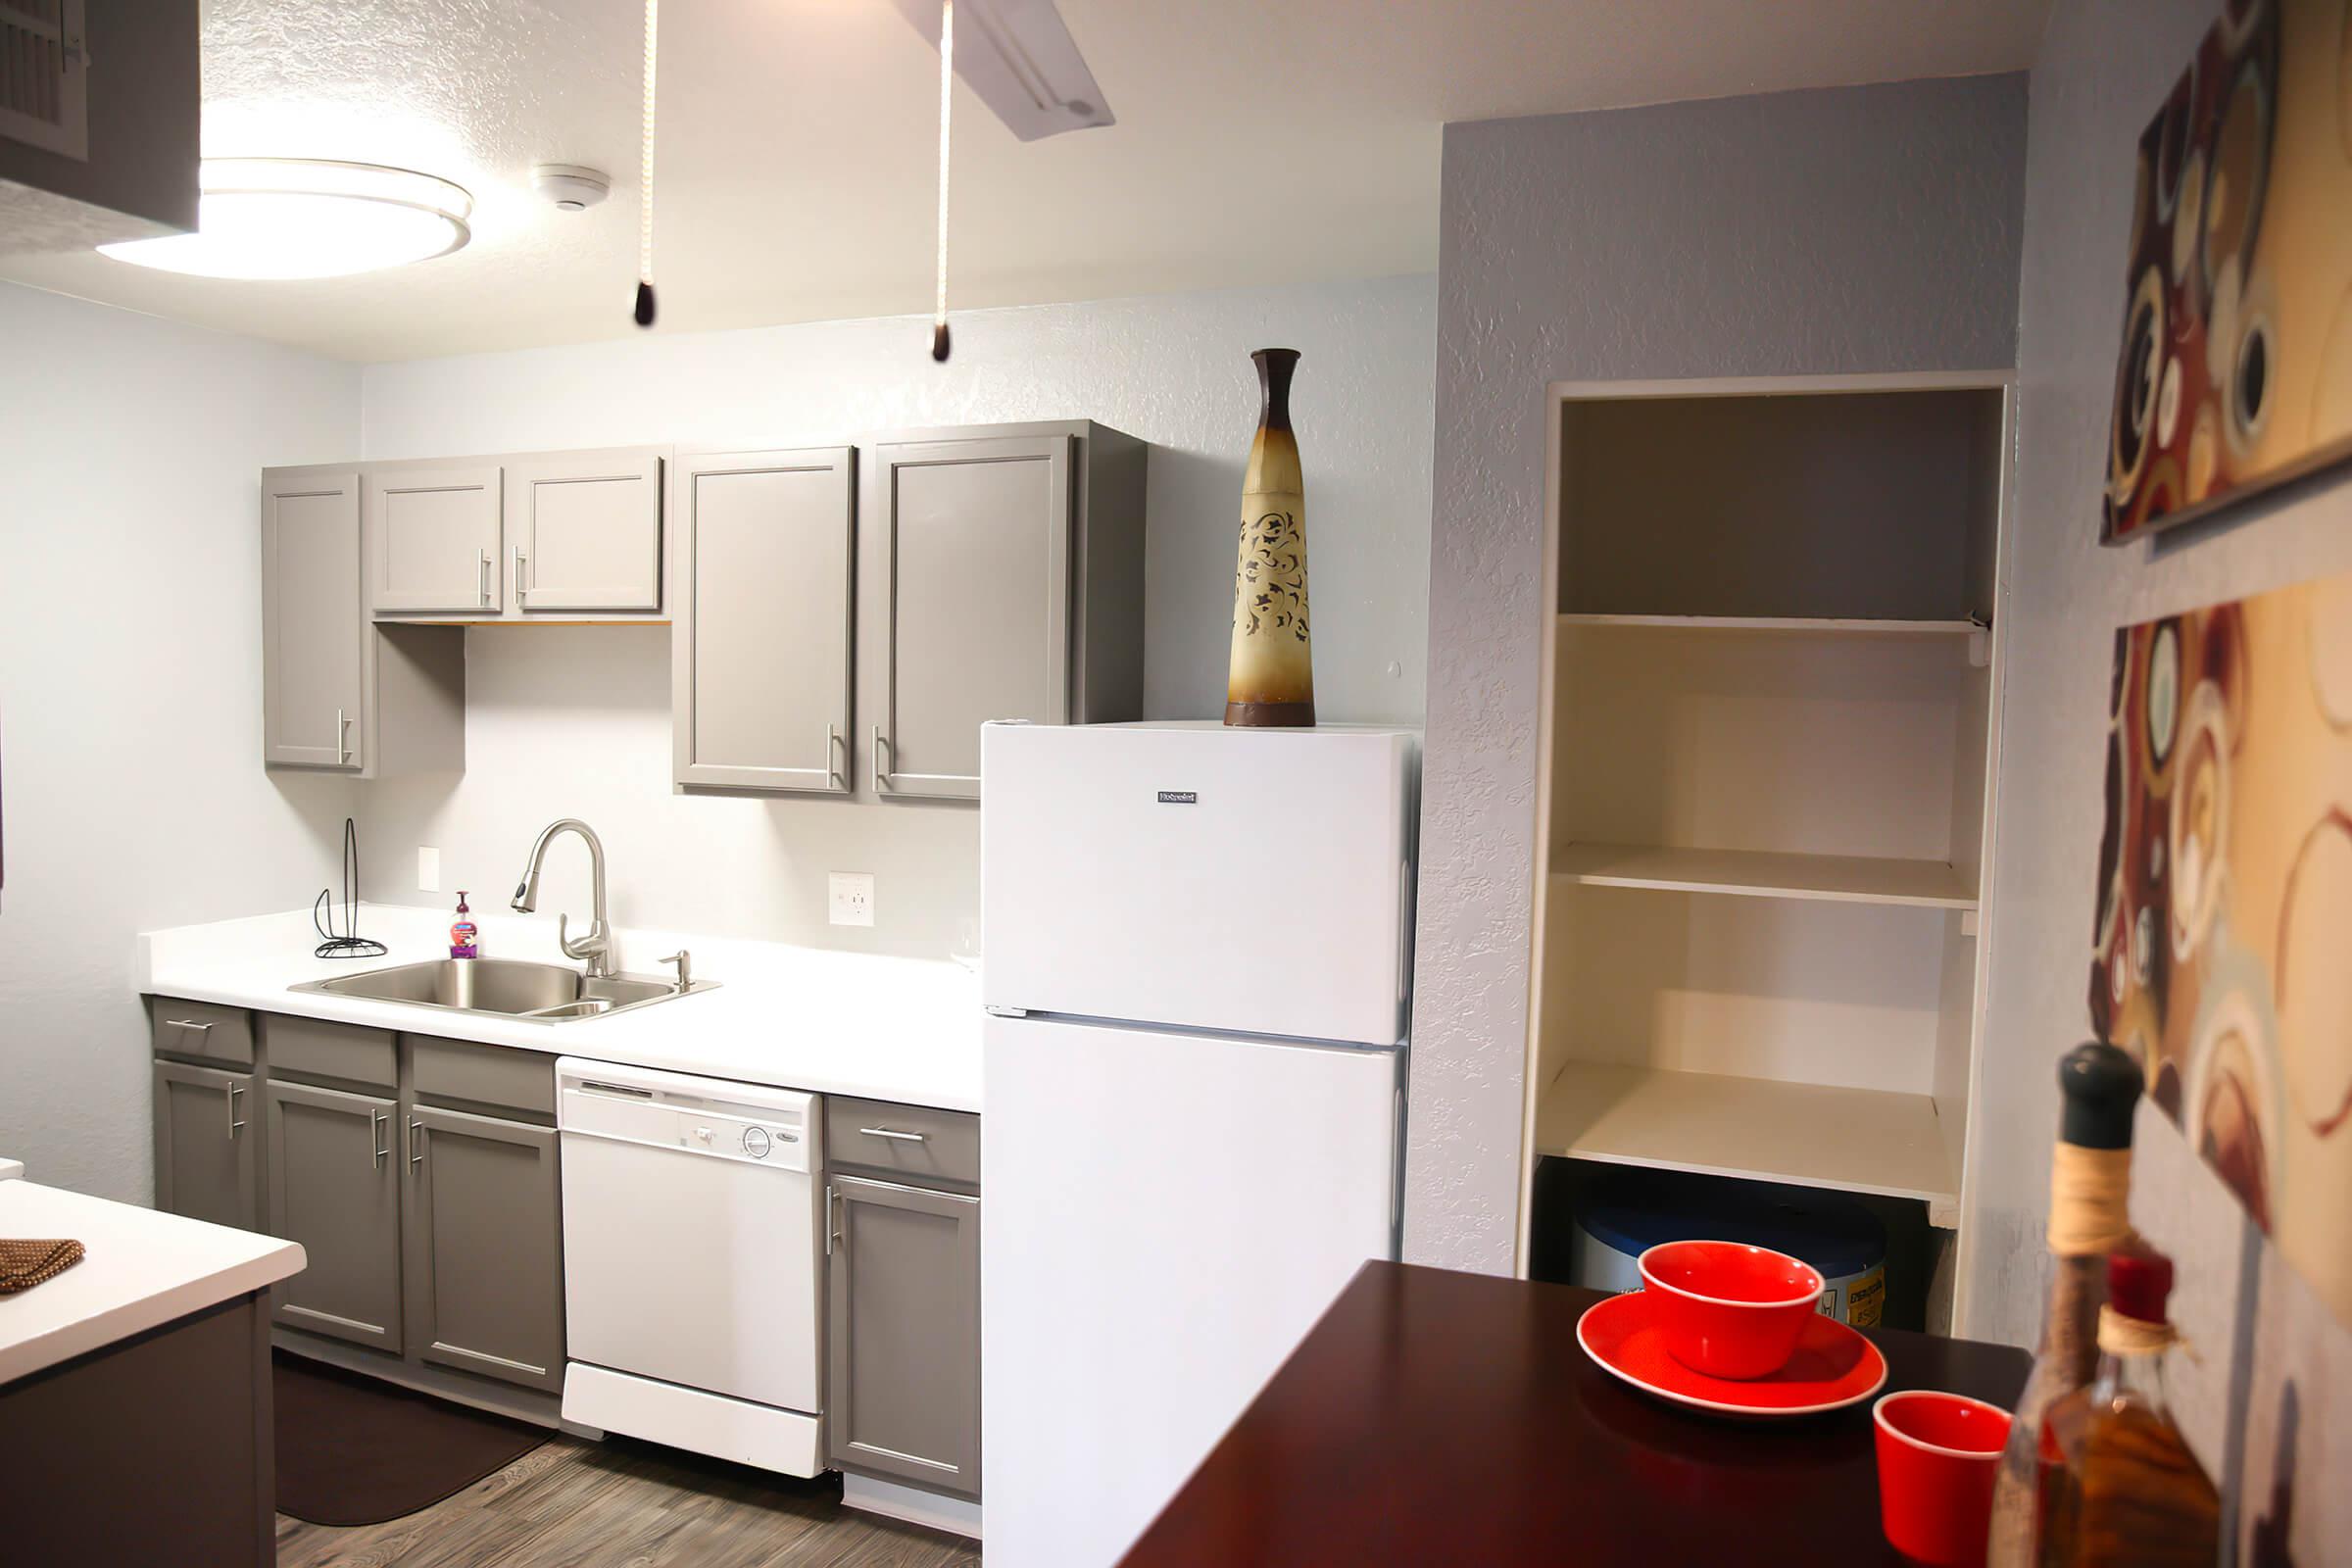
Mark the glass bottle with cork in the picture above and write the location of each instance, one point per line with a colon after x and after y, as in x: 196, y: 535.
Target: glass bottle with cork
x: 2090, y: 1179
x: 2121, y: 1486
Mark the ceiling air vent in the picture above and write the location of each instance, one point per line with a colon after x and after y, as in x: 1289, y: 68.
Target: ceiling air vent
x: 45, y: 76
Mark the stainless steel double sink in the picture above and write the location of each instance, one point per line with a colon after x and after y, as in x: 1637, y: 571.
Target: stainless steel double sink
x: 506, y: 988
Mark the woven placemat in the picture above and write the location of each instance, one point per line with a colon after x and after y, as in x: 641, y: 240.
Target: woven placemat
x: 24, y: 1264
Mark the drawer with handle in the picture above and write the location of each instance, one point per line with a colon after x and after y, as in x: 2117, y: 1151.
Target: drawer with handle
x: 911, y: 1142
x: 201, y: 1031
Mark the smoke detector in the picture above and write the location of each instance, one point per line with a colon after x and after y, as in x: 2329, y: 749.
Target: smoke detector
x: 569, y: 186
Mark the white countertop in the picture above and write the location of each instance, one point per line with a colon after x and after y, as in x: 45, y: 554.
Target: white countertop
x: 141, y: 1270
x: 844, y: 1023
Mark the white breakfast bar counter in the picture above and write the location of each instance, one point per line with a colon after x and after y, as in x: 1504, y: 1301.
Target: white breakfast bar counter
x: 134, y: 1394
x: 874, y: 1026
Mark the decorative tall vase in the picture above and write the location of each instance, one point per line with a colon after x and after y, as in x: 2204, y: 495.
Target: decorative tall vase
x: 1271, y: 680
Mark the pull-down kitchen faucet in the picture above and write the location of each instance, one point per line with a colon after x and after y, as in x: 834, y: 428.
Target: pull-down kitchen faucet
x: 596, y: 948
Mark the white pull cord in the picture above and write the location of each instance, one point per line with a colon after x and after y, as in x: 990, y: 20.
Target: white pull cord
x: 946, y: 85
x: 645, y: 175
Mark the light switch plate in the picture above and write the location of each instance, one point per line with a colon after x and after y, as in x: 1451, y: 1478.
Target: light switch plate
x: 428, y: 868
x: 851, y: 896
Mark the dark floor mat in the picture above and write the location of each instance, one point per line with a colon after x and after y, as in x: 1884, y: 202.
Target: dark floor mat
x: 353, y: 1450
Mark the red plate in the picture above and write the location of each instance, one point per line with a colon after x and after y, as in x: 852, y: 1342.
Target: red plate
x: 1832, y: 1368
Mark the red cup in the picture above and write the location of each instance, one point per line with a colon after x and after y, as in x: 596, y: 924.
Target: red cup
x: 1729, y: 1309
x: 1938, y: 1456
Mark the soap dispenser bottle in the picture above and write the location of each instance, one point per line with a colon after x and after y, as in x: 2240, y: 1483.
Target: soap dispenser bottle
x: 462, y: 932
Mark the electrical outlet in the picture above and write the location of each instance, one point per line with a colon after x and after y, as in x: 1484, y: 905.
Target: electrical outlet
x: 852, y: 894
x: 428, y: 868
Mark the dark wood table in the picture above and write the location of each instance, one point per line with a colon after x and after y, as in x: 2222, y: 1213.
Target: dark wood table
x: 1436, y: 1417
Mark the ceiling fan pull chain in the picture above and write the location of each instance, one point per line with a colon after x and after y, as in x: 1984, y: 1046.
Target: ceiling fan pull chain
x: 946, y: 87
x: 645, y: 175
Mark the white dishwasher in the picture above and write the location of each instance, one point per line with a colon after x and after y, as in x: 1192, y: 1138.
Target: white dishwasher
x: 692, y: 1263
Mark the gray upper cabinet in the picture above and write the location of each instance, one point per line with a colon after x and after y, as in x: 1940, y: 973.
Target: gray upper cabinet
x: 585, y: 531
x: 902, y: 1397
x: 313, y: 634
x: 1001, y: 576
x: 434, y: 539
x: 336, y: 691
x: 207, y: 1127
x: 761, y: 601
x: 484, y: 1239
x: 334, y: 1187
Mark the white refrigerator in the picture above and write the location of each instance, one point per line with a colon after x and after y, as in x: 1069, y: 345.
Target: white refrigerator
x: 1198, y: 951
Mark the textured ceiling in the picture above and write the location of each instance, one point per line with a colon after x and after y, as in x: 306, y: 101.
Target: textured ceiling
x: 1257, y: 142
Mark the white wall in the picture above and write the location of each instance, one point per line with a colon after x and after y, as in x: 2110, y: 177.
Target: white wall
x: 1855, y: 230
x: 130, y: 693
x: 576, y: 720
x: 2272, y: 1396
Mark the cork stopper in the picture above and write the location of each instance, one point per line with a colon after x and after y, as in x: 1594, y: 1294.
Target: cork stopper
x: 2101, y: 1086
x: 2139, y: 1282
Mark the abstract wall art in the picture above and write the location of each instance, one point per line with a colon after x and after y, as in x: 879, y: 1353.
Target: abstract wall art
x: 2236, y: 369
x: 2222, y: 956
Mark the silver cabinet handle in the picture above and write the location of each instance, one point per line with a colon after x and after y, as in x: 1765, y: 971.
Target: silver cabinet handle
x: 481, y: 559
x: 188, y: 1023
x: 415, y: 1143
x: 342, y: 751
x: 519, y: 590
x: 234, y: 1120
x: 891, y: 1131
x: 832, y: 1235
x: 881, y: 773
x: 832, y: 744
x: 375, y: 1135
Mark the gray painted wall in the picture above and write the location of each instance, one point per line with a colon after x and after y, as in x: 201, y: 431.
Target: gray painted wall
x: 131, y: 715
x: 577, y: 719
x: 1854, y: 229
x: 2105, y: 67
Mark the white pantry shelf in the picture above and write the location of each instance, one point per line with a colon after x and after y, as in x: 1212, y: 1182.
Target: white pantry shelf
x: 1799, y: 623
x: 1814, y: 1135
x: 1767, y: 874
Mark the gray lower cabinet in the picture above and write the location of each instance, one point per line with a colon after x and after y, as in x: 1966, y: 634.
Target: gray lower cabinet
x: 1001, y: 574
x: 760, y: 601
x: 483, y: 1245
x: 207, y: 1128
x: 334, y: 1187
x: 903, y: 1330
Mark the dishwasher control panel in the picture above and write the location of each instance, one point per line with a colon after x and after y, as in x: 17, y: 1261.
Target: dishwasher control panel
x: 743, y: 1122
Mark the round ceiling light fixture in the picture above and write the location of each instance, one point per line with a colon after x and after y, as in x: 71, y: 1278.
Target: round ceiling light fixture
x: 287, y: 218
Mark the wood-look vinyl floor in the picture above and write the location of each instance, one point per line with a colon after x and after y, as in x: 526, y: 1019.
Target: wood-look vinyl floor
x: 626, y: 1504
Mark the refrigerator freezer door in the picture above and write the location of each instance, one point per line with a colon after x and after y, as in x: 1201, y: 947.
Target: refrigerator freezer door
x: 1165, y: 1217
x: 1257, y: 881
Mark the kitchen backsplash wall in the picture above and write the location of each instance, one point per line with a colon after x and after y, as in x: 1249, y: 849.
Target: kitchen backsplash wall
x: 130, y: 713
x: 575, y: 720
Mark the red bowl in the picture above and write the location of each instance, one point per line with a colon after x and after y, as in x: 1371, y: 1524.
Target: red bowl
x: 1938, y: 1456
x: 1729, y: 1309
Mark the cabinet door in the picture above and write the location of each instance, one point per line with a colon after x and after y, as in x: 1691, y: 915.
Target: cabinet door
x: 485, y: 1266
x: 587, y: 531
x: 972, y: 560
x: 760, y: 619
x: 903, y: 1333
x: 314, y: 651
x: 334, y: 1187
x: 435, y: 536
x: 205, y: 1139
